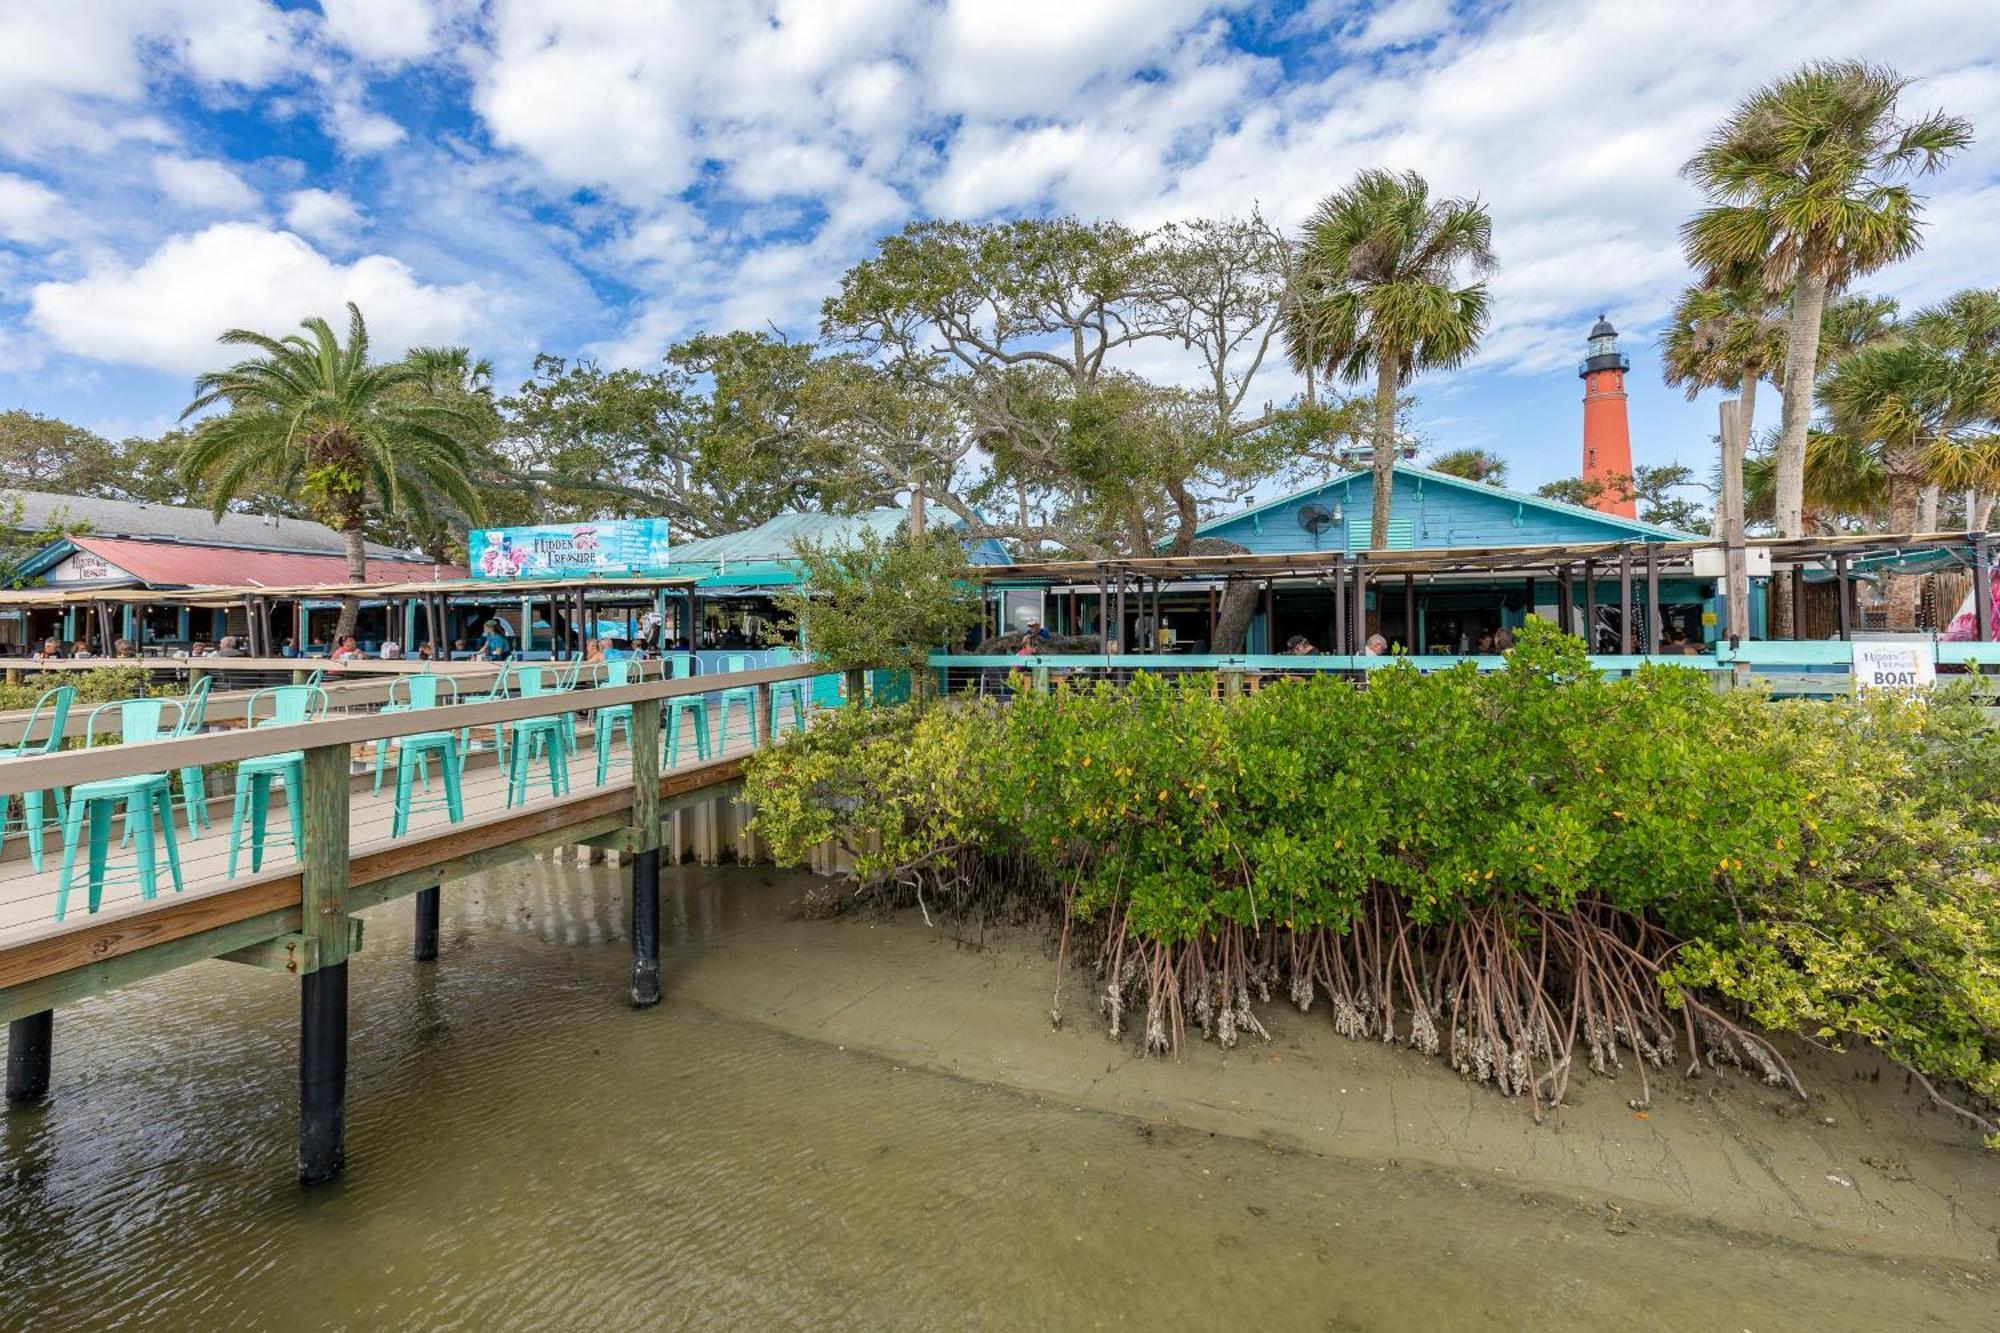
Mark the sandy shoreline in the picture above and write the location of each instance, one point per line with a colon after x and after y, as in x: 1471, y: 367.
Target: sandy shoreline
x: 1864, y: 1167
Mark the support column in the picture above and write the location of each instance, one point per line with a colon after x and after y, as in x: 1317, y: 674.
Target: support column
x: 1625, y: 601
x: 1798, y: 582
x: 1590, y: 605
x: 1339, y: 644
x: 30, y: 1044
x: 646, y: 929
x: 1410, y: 641
x: 323, y: 992
x: 323, y: 1074
x: 1843, y: 587
x: 1358, y: 623
x: 1653, y: 636
x: 424, y: 946
x: 1982, y: 589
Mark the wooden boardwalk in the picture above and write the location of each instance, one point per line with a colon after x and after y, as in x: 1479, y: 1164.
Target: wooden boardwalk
x: 296, y: 913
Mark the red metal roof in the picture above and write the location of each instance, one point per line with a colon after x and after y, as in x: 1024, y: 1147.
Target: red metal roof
x: 171, y: 565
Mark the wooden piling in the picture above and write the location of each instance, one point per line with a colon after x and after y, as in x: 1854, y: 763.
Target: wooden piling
x: 323, y: 864
x: 646, y: 928
x: 30, y: 1046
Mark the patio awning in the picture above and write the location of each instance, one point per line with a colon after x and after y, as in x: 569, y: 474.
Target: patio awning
x: 171, y: 565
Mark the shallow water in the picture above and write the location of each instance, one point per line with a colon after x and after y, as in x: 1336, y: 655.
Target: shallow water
x: 526, y: 1151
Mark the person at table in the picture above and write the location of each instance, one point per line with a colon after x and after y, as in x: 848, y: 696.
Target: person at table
x: 289, y: 648
x: 346, y: 650
x: 1034, y: 632
x: 1377, y: 646
x: 51, y: 650
x: 391, y: 650
x: 493, y: 647
x: 1299, y: 646
x: 231, y: 646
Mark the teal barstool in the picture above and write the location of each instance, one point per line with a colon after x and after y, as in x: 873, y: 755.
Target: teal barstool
x: 741, y: 696
x: 141, y: 794
x: 411, y: 753
x: 791, y: 692
x: 605, y: 722
x: 693, y: 707
x: 534, y: 735
x: 424, y: 689
x: 194, y: 787
x: 56, y: 703
x: 502, y: 688
x: 289, y: 705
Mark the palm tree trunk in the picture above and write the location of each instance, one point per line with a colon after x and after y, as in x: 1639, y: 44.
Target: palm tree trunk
x: 1801, y: 356
x: 1385, y: 447
x: 357, y: 572
x: 1928, y: 503
x: 1982, y: 510
x: 1747, y: 398
x: 1905, y: 500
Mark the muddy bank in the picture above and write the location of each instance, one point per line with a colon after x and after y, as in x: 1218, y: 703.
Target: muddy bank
x: 1864, y: 1166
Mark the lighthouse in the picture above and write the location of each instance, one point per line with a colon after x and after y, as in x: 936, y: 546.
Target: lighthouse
x: 1607, y: 438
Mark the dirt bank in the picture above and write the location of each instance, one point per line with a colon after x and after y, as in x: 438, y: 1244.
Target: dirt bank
x: 1864, y: 1166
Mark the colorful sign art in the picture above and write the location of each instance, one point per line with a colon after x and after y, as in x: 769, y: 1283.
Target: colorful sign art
x: 570, y: 550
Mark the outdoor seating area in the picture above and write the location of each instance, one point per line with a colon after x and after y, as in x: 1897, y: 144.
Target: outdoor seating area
x: 115, y: 843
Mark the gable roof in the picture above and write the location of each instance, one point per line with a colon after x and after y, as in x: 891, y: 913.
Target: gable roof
x: 1642, y: 531
x: 140, y: 521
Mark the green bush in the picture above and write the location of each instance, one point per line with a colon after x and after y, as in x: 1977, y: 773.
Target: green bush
x: 1510, y: 867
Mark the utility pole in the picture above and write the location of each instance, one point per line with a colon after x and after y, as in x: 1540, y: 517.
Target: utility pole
x: 1736, y: 583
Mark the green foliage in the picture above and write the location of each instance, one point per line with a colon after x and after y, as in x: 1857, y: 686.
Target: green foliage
x: 1829, y: 867
x: 97, y: 686
x: 881, y: 601
x: 1658, y: 491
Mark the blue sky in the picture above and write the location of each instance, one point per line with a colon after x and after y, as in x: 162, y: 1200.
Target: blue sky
x: 603, y: 178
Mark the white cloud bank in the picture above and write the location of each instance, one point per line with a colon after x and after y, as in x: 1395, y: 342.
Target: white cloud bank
x: 167, y: 312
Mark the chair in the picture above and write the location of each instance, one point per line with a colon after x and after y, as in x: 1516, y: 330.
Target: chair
x: 740, y: 696
x: 787, y: 691
x: 685, y: 706
x: 290, y: 705
x: 605, y: 722
x: 501, y: 688
x: 57, y: 702
x: 141, y: 794
x: 425, y: 689
x: 194, y: 787
x: 413, y: 752
x: 544, y: 734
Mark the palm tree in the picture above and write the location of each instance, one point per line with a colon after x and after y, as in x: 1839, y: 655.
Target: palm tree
x: 1923, y: 405
x: 310, y: 417
x: 1806, y: 180
x: 1481, y: 465
x: 1376, y: 277
x: 1724, y: 336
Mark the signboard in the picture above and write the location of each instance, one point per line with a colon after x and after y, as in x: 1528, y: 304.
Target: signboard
x: 85, y: 567
x: 1895, y: 664
x: 570, y: 550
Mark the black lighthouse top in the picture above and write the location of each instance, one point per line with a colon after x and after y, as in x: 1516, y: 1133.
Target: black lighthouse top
x: 1604, y: 353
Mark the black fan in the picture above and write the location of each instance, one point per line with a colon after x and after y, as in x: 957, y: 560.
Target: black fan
x: 1315, y: 518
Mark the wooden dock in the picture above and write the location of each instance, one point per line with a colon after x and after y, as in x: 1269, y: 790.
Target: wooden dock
x: 296, y: 914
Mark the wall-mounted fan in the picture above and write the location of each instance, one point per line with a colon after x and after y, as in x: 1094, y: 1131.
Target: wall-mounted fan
x: 1316, y: 518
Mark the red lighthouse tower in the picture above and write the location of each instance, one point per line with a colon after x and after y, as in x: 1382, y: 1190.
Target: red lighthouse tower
x: 1607, y: 438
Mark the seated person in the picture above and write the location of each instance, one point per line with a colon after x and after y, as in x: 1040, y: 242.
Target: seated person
x: 1299, y: 646
x: 1377, y: 646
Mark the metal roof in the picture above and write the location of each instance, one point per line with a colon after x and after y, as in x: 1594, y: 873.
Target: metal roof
x: 172, y: 565
x: 777, y: 539
x: 176, y: 523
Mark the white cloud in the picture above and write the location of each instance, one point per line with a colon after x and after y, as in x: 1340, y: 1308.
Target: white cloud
x: 166, y: 312
x: 205, y: 185
x: 390, y: 32
x: 30, y: 212
x: 322, y: 214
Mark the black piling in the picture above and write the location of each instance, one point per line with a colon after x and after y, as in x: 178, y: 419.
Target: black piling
x: 323, y: 1074
x: 646, y: 929
x: 424, y: 945
x: 30, y: 1043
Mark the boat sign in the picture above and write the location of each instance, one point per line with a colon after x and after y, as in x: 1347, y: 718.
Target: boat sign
x: 1907, y: 664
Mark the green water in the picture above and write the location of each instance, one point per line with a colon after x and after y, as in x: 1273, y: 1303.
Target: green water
x: 527, y: 1152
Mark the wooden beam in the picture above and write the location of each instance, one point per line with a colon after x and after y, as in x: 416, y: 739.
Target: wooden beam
x: 1625, y: 601
x: 295, y: 953
x: 324, y: 853
x: 154, y: 955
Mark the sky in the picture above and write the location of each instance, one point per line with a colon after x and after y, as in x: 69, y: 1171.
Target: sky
x: 604, y: 178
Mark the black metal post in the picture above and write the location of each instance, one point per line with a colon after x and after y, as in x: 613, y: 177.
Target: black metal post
x: 1798, y: 581
x: 323, y: 1074
x: 1339, y: 644
x: 1410, y: 644
x: 1118, y: 637
x: 1846, y: 594
x: 1982, y: 589
x: 1625, y: 600
x: 30, y: 1043
x: 1565, y: 601
x: 646, y: 929
x: 1358, y: 625
x: 1590, y: 604
x: 1103, y: 611
x: 424, y: 942
x: 1652, y: 599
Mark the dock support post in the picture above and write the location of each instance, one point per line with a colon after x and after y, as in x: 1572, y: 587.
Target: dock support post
x: 323, y: 992
x: 30, y: 1043
x: 646, y: 928
x: 323, y: 1074
x: 424, y: 943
